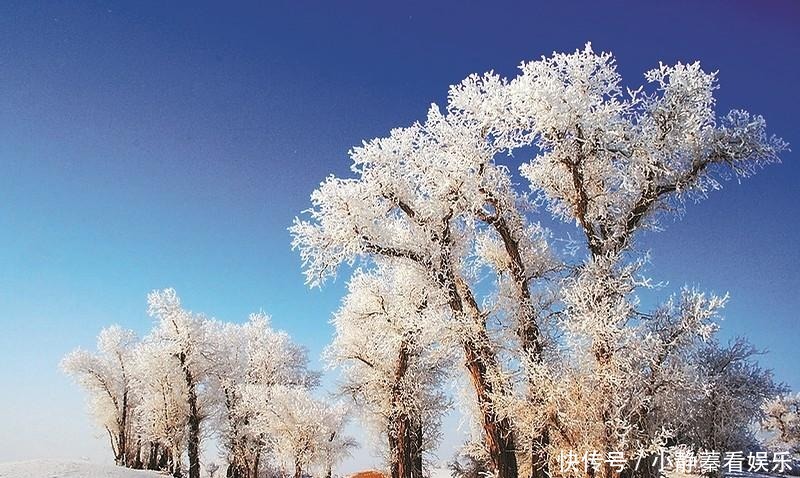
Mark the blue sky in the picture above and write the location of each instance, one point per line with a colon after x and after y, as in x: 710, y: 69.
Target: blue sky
x: 153, y: 144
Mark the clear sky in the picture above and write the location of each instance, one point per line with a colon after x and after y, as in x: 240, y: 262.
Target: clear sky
x: 169, y: 144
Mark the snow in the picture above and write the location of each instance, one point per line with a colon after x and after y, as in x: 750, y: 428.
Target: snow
x: 69, y: 469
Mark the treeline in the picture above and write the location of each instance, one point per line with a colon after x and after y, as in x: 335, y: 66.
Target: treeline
x: 192, y: 377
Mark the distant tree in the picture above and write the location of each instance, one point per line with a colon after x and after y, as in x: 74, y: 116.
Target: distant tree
x: 734, y: 389
x: 333, y: 445
x: 782, y: 419
x: 108, y: 380
x: 164, y: 411
x: 246, y: 356
x: 466, y: 465
x: 181, y: 337
x: 194, y: 376
x: 387, y: 345
x: 303, y: 432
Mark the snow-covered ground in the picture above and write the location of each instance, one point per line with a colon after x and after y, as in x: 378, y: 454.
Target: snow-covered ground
x: 69, y: 469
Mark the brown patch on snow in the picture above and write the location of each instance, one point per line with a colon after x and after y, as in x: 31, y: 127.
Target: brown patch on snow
x: 368, y: 474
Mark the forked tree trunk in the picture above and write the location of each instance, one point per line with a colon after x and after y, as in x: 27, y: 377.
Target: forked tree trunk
x: 499, y: 435
x: 527, y: 327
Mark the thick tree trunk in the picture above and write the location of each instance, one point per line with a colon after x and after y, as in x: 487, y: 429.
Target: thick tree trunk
x: 499, y: 435
x: 409, y: 447
x: 401, y: 429
x: 402, y: 448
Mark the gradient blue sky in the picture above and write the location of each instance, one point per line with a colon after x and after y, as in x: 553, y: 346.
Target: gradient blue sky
x: 153, y: 144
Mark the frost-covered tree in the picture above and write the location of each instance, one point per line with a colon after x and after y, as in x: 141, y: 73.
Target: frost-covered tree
x: 333, y: 445
x: 246, y: 356
x: 304, y: 433
x: 782, y: 419
x: 181, y: 337
x: 107, y: 378
x: 614, y: 161
x: 246, y: 384
x: 164, y: 409
x: 428, y: 196
x: 733, y: 391
x: 388, y: 347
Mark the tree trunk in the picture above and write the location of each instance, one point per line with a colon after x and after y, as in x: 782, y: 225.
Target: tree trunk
x: 165, y: 458
x: 298, y: 470
x: 256, y: 463
x: 527, y: 327
x: 418, y: 448
x: 499, y: 435
x: 123, y: 436
x: 152, y: 458
x: 194, y: 437
x: 176, y: 465
x: 406, y: 448
x: 402, y: 465
x: 193, y: 440
x: 137, y: 459
x: 401, y: 429
x: 114, y: 440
